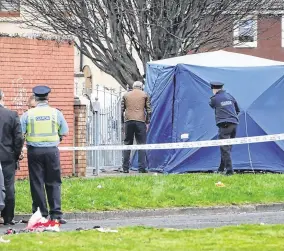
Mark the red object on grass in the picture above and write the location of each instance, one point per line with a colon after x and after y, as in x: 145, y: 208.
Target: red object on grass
x: 49, y: 223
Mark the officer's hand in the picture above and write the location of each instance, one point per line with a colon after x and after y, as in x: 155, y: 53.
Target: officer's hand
x: 147, y: 127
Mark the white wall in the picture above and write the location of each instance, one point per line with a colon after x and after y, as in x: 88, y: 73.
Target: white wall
x: 8, y: 26
x: 98, y: 76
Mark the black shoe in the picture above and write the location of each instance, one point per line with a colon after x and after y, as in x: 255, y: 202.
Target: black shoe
x: 12, y: 223
x: 124, y: 170
x: 60, y: 220
x: 229, y: 173
x: 143, y: 171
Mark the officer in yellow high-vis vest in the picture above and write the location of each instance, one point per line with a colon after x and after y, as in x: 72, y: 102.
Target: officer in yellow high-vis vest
x: 43, y: 126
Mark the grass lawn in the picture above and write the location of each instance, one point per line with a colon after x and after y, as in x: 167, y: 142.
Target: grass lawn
x: 246, y: 237
x: 160, y: 191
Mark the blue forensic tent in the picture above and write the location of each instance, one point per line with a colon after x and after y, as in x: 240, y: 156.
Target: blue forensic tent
x: 180, y: 92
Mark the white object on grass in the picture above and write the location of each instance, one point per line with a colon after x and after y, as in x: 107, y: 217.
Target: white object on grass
x: 3, y: 241
x: 106, y: 230
x: 36, y: 218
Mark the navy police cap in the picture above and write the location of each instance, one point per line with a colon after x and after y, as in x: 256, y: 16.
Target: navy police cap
x: 216, y: 85
x: 41, y: 90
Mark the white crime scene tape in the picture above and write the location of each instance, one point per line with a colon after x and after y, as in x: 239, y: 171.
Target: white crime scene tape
x: 179, y: 145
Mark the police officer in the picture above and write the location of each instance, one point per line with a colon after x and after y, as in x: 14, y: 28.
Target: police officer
x: 43, y: 126
x: 32, y: 104
x: 226, y: 115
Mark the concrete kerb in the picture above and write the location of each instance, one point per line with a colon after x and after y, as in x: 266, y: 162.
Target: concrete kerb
x: 106, y: 215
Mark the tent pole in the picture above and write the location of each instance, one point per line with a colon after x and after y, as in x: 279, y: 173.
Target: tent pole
x: 250, y: 160
x: 173, y: 104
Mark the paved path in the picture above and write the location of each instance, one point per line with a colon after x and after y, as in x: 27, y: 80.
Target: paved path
x: 183, y: 221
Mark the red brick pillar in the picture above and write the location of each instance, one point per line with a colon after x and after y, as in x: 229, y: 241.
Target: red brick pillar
x: 80, y: 137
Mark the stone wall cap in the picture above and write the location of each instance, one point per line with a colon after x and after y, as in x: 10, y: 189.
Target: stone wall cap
x: 81, y: 101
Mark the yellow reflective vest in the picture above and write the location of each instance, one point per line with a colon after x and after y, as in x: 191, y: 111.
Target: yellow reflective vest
x: 42, y: 125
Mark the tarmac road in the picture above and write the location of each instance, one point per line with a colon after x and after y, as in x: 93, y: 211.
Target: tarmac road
x: 182, y: 221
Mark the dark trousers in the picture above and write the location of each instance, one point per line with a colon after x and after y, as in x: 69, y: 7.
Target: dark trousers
x: 9, y: 171
x: 45, y: 176
x: 135, y: 129
x: 2, y: 190
x: 226, y: 131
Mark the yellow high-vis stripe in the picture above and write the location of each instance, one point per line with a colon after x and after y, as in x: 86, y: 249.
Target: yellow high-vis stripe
x: 42, y: 125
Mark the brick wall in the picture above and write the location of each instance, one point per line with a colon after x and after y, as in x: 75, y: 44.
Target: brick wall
x: 80, y: 138
x: 269, y: 44
x: 269, y: 40
x: 25, y: 63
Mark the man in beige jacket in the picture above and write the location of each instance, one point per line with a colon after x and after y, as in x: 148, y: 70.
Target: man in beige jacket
x: 136, y: 109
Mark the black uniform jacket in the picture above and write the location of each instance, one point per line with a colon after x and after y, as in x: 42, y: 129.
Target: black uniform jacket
x: 11, y: 137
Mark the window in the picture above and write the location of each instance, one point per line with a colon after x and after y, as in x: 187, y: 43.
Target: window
x: 10, y: 5
x: 245, y: 33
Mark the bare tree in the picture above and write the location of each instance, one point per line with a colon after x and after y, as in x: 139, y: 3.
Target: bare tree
x: 120, y: 35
